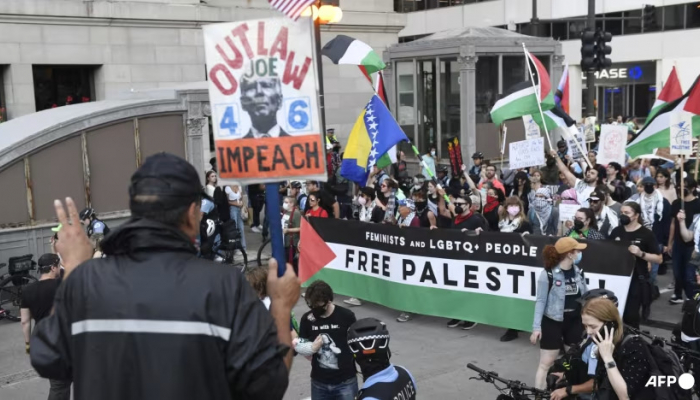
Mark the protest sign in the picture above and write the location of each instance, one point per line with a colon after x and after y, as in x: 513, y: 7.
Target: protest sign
x: 589, y: 129
x: 532, y: 130
x: 681, y: 133
x: 567, y: 212
x: 490, y: 278
x: 263, y: 94
x: 526, y: 153
x: 572, y: 134
x: 455, y: 152
x: 613, y: 139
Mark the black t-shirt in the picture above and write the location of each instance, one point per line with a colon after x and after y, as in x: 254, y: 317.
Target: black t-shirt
x: 327, y: 201
x: 38, y: 298
x: 525, y: 226
x: 691, y: 208
x: 472, y: 223
x: 572, y: 292
x: 642, y: 238
x: 334, y: 363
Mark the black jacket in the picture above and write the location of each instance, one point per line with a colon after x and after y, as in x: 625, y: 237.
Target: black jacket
x: 153, y: 321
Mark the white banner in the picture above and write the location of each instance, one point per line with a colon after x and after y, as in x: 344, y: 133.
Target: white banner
x: 681, y: 133
x: 526, y: 153
x: 567, y: 212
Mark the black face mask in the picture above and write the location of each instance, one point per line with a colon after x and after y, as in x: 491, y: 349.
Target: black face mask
x: 420, y: 205
x: 649, y: 189
x: 625, y: 220
x: 578, y: 225
x: 551, y: 162
x: 459, y: 209
x: 318, y: 311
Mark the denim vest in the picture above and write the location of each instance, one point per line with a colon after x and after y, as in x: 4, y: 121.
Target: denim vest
x: 551, y: 304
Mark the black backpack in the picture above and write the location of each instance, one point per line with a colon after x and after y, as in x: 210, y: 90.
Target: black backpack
x: 221, y: 205
x: 230, y: 235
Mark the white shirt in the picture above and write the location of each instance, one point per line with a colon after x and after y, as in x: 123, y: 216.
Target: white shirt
x: 274, y: 132
x: 232, y: 196
x: 210, y: 190
x: 583, y: 192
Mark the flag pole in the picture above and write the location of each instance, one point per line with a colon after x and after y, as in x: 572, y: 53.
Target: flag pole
x: 537, y: 95
x: 578, y: 145
x: 682, y: 182
x: 502, y: 141
x: 697, y: 147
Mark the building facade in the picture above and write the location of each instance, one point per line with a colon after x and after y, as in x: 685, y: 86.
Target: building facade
x: 58, y: 52
x: 642, y: 56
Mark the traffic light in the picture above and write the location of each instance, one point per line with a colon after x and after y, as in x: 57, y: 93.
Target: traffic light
x: 603, y: 38
x: 649, y: 17
x: 588, y: 50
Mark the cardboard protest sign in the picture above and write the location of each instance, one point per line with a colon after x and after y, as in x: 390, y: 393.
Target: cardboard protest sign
x: 263, y: 94
x: 572, y: 134
x: 526, y: 153
x: 681, y: 133
x: 613, y: 139
x: 532, y: 130
x: 438, y: 272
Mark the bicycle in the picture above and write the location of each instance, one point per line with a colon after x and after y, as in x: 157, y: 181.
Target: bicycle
x: 12, y: 284
x: 266, y: 242
x: 516, y: 390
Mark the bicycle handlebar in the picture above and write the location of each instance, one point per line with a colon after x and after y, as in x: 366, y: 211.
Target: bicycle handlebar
x: 651, y: 337
x: 510, y: 384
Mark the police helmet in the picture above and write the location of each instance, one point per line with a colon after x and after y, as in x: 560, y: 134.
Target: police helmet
x: 595, y: 293
x: 87, y: 213
x: 478, y: 155
x: 368, y: 336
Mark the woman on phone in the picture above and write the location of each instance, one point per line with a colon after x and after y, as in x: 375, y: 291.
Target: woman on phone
x: 623, y: 370
x: 557, y: 318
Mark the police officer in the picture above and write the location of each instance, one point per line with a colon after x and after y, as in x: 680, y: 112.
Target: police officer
x: 475, y: 170
x: 152, y: 320
x: 94, y: 225
x: 368, y: 339
x: 442, y: 177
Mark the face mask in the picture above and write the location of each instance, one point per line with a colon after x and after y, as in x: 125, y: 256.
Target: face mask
x: 362, y: 201
x: 578, y: 225
x: 286, y: 206
x: 513, y: 211
x: 432, y: 153
x: 578, y: 258
x: 551, y: 162
x: 431, y: 191
x: 625, y: 220
x: 459, y: 209
x: 420, y: 205
x: 649, y: 189
x: 318, y: 311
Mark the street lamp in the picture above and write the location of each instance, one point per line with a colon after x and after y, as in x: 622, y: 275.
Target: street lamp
x: 324, y: 12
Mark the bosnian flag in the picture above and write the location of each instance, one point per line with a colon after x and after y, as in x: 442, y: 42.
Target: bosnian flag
x: 346, y: 50
x: 527, y: 97
x: 561, y: 98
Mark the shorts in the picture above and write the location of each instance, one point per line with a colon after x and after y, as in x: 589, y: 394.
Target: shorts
x: 556, y: 333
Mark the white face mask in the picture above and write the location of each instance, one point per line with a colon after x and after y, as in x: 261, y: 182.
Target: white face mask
x: 286, y: 206
x: 362, y: 201
x: 432, y: 153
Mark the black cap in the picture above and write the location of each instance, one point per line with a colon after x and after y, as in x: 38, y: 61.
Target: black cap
x: 477, y: 155
x: 595, y: 293
x: 49, y: 260
x: 561, y: 143
x: 165, y: 180
x: 295, y: 185
x: 596, y: 195
x: 442, y: 168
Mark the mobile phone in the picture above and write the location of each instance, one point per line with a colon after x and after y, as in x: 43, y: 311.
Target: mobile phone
x: 610, y: 325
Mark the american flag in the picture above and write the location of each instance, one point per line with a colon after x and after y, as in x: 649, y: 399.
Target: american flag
x: 291, y: 8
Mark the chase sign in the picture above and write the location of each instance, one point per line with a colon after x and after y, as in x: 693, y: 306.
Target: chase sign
x: 626, y: 73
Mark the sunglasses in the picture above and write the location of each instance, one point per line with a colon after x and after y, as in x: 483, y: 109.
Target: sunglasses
x: 594, y: 201
x: 460, y: 203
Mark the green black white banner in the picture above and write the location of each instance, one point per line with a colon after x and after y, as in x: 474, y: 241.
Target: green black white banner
x: 489, y: 278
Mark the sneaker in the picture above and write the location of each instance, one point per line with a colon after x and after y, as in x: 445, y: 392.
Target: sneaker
x: 511, y: 334
x: 303, y: 295
x: 256, y: 229
x: 404, y: 317
x: 675, y: 300
x: 468, y: 325
x: 453, y: 323
x: 671, y: 286
x: 353, y: 302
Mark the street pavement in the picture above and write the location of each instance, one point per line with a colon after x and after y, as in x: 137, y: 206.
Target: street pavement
x: 436, y: 355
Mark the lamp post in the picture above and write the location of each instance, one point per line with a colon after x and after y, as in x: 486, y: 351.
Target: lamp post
x: 324, y: 12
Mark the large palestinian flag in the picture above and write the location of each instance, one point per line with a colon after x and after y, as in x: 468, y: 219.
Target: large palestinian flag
x: 525, y: 98
x: 670, y: 92
x: 657, y: 132
x: 346, y: 50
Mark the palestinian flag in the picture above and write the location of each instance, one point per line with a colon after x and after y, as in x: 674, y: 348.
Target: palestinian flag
x: 657, y: 132
x: 670, y: 92
x: 554, y: 118
x: 526, y: 97
x: 346, y: 50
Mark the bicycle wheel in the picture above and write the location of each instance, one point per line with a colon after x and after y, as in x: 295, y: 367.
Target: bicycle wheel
x: 260, y: 251
x: 11, y: 291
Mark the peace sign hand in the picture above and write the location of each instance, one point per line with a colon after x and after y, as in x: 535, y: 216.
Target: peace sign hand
x: 605, y: 345
x: 73, y: 245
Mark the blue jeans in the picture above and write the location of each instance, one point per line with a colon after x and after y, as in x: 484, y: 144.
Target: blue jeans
x: 342, y: 391
x: 683, y: 272
x: 236, y: 216
x: 654, y: 271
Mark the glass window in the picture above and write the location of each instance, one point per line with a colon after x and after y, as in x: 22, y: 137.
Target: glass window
x: 487, y: 86
x: 56, y: 86
x: 560, y: 30
x: 673, y: 17
x: 632, y: 23
x: 614, y: 26
x: 406, y: 94
x: 449, y: 101
x: 513, y: 71
x: 599, y: 23
x: 692, y: 16
x: 427, y: 107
